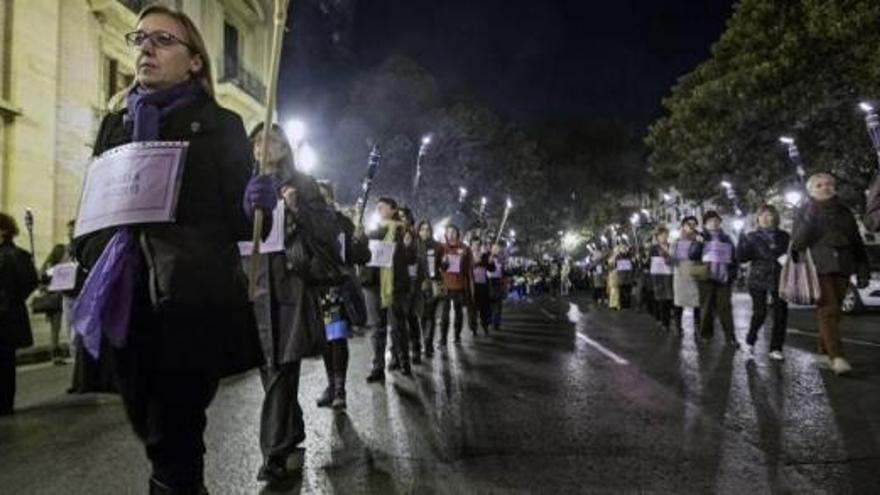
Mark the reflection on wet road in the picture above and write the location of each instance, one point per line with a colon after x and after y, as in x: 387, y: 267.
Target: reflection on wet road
x: 564, y: 399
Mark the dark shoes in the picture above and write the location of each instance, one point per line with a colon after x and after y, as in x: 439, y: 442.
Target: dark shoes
x: 376, y: 376
x: 277, y: 470
x: 394, y: 366
x: 159, y: 488
x: 326, y: 399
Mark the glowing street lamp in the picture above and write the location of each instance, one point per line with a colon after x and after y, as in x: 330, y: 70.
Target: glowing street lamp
x: 426, y: 140
x: 462, y: 194
x: 793, y: 198
x: 307, y: 158
x: 739, y: 224
x: 795, y: 156
x: 872, y: 122
x: 570, y: 241
x: 296, y: 131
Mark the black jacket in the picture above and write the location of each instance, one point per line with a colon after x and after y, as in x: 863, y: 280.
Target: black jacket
x: 829, y: 230
x: 403, y: 257
x: 194, y: 268
x: 762, y: 249
x: 18, y: 279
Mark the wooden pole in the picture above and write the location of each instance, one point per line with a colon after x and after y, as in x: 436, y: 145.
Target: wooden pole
x: 271, y: 93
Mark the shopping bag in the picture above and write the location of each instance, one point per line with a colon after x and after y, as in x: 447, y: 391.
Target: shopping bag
x: 799, y: 281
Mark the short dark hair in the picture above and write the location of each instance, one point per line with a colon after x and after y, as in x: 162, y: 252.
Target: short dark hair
x: 9, y: 226
x: 689, y: 218
x: 772, y: 211
x: 709, y: 215
x: 388, y: 200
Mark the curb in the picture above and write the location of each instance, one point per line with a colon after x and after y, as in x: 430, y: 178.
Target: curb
x: 38, y: 354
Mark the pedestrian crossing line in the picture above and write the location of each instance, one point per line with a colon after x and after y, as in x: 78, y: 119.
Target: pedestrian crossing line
x: 602, y: 349
x: 795, y: 331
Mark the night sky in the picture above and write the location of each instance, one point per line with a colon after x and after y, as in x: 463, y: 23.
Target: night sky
x: 536, y: 62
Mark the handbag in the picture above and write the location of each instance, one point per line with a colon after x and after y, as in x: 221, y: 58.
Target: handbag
x: 46, y: 303
x: 799, y: 280
x: 699, y: 272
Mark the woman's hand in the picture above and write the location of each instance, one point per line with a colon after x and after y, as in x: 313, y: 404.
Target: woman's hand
x: 289, y: 194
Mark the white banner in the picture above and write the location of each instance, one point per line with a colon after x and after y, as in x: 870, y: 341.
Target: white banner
x: 624, y: 265
x: 717, y: 252
x: 275, y: 242
x: 659, y: 266
x: 454, y: 261
x: 63, y: 277
x: 131, y: 184
x: 383, y: 254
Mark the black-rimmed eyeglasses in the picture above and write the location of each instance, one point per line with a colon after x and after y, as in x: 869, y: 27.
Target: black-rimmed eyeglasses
x: 160, y: 39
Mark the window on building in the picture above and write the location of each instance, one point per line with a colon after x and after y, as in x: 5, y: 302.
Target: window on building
x: 230, y: 51
x: 116, y: 78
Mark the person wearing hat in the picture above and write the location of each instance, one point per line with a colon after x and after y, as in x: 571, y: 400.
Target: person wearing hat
x: 715, y: 249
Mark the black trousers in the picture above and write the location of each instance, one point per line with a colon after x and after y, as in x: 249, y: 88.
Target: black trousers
x: 456, y: 300
x: 626, y: 296
x: 281, y: 420
x: 429, y: 320
x: 396, y: 315
x: 7, y: 378
x: 166, y: 407
x: 759, y: 316
x: 663, y: 311
x: 678, y: 312
x: 483, y: 306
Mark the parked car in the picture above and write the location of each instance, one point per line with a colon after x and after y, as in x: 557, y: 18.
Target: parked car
x: 857, y: 300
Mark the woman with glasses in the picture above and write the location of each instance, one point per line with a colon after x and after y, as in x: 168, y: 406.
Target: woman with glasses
x: 190, y: 322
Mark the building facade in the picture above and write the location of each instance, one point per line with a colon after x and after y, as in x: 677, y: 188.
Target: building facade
x: 60, y: 63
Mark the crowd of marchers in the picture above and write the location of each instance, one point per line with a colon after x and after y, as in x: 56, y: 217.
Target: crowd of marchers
x: 161, y: 312
x: 698, y: 271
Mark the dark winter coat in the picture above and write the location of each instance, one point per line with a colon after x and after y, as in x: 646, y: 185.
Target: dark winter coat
x: 872, y: 211
x: 762, y: 249
x: 661, y: 283
x: 829, y: 230
x: 18, y: 279
x: 194, y: 268
x: 403, y: 257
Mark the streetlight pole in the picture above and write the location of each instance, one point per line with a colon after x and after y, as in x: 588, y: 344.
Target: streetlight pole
x: 872, y: 122
x: 426, y: 140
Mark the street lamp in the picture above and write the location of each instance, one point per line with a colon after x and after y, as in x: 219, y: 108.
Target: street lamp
x: 462, y: 194
x: 426, y: 140
x: 793, y: 198
x: 307, y: 158
x: 296, y: 131
x: 738, y: 225
x: 795, y: 156
x: 872, y: 122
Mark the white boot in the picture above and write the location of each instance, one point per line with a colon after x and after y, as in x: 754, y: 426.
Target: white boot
x: 840, y: 366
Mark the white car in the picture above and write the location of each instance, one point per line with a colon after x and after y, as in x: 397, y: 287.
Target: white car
x: 861, y: 299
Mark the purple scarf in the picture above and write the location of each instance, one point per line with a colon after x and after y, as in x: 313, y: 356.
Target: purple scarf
x: 104, y: 305
x: 148, y: 109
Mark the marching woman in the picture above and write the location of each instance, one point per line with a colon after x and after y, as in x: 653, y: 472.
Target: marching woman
x: 686, y: 293
x: 717, y: 252
x: 288, y: 309
x: 660, y: 267
x: 189, y: 321
x: 431, y: 288
x: 343, y: 306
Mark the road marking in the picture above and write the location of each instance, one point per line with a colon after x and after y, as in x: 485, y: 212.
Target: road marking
x: 847, y: 340
x: 601, y: 348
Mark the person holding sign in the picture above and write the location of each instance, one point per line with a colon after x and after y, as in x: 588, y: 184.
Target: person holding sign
x: 18, y: 279
x: 432, y: 285
x: 168, y: 299
x: 455, y: 265
x: 497, y: 289
x: 417, y: 272
x: 762, y: 249
x: 686, y: 293
x: 288, y: 308
x: 660, y: 268
x: 715, y: 249
x: 390, y: 260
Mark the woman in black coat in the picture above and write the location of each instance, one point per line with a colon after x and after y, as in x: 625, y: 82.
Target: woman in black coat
x: 762, y: 250
x: 190, y: 320
x: 18, y: 279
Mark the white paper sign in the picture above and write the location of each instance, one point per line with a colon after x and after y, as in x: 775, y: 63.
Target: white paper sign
x: 454, y: 263
x: 659, y: 266
x: 63, y: 277
x: 131, y: 184
x: 431, y: 261
x: 624, y: 265
x: 275, y: 242
x: 717, y: 252
x: 413, y: 270
x: 383, y: 253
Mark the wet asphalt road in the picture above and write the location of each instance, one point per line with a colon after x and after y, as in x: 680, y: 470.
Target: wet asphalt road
x: 565, y: 399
